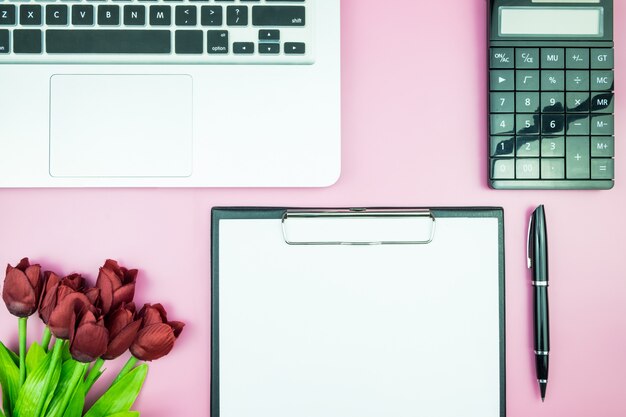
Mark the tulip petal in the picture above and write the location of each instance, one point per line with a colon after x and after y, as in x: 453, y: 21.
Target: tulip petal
x: 153, y: 314
x: 153, y: 342
x: 33, y: 273
x: 24, y: 263
x: 49, y: 296
x: 121, y: 342
x: 93, y: 294
x: 118, y: 320
x: 89, y: 341
x: 177, y: 326
x: 106, y: 291
x: 124, y: 294
x: 18, y: 294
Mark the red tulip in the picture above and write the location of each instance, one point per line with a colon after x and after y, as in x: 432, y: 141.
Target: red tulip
x: 22, y: 288
x: 123, y: 328
x: 116, y: 284
x: 89, y: 340
x: 64, y: 316
x: 56, y: 290
x: 157, y: 336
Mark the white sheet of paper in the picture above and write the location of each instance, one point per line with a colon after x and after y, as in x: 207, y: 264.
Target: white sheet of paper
x: 365, y: 331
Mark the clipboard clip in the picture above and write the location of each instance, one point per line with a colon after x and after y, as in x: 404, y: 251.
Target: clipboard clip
x: 351, y: 227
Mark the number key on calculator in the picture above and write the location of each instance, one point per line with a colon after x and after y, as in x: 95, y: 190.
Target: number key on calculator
x: 551, y: 95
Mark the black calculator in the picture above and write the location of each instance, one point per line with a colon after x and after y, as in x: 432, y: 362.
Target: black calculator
x: 551, y: 100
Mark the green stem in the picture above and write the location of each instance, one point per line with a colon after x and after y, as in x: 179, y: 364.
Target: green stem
x: 22, y: 334
x: 54, y: 362
x: 94, y: 374
x: 126, y: 369
x: 75, y: 379
x: 45, y: 339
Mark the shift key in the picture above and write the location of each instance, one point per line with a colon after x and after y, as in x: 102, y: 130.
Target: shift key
x: 278, y: 16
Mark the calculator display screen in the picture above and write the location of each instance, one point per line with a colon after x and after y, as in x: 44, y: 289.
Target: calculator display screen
x: 551, y: 21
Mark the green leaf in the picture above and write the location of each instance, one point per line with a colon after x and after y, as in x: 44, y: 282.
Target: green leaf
x: 9, y: 380
x: 125, y: 414
x: 121, y: 396
x: 1, y: 413
x: 77, y: 403
x: 34, y: 357
x: 31, y: 392
x: 72, y: 374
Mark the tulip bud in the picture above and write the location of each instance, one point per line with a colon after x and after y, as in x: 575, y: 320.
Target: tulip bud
x: 123, y: 328
x: 157, y: 336
x: 22, y: 288
x: 89, y: 340
x: 116, y: 284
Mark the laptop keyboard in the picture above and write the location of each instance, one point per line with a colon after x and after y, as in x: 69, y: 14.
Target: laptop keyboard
x: 157, y: 31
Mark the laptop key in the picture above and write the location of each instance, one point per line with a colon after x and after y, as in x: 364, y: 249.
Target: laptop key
x: 245, y: 48
x: 186, y: 15
x: 82, y: 15
x: 188, y: 42
x: 237, y: 16
x: 134, y: 15
x: 160, y: 15
x: 4, y: 41
x: 30, y: 15
x: 269, y: 48
x: 7, y: 14
x: 61, y: 41
x: 211, y: 16
x: 295, y: 48
x: 109, y: 15
x: 56, y: 15
x: 217, y: 41
x: 278, y: 16
x: 27, y: 41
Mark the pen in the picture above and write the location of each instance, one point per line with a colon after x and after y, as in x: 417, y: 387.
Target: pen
x: 538, y: 263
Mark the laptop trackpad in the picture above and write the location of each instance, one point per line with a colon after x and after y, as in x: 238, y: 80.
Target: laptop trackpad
x: 120, y: 125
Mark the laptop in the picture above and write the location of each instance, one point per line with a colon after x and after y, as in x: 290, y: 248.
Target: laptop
x: 158, y: 93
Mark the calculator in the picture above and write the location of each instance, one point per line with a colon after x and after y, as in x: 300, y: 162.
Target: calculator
x: 551, y: 100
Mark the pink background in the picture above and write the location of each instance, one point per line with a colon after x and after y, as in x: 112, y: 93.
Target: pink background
x: 414, y: 134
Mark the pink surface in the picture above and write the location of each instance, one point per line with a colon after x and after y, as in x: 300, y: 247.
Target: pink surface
x: 414, y: 134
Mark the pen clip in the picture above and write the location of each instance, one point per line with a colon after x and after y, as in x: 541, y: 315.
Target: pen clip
x: 529, y: 243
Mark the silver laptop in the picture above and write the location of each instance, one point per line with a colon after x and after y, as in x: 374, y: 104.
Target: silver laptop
x: 154, y: 93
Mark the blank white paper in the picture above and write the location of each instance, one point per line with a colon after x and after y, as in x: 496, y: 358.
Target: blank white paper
x: 365, y: 331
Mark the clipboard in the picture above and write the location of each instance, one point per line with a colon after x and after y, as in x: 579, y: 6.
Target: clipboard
x: 358, y: 312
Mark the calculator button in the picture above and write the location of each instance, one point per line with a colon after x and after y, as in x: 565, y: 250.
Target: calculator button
x: 602, y: 103
x: 502, y: 102
x: 603, y: 147
x: 527, y: 80
x: 602, y: 124
x: 577, y: 124
x: 527, y: 58
x: 527, y: 124
x: 553, y: 146
x: 553, y: 169
x: 503, y: 169
x: 553, y: 124
x: 552, y: 58
x: 601, y: 80
x: 602, y: 59
x: 527, y: 169
x: 527, y: 102
x: 577, y: 158
x: 553, y: 102
x: 577, y: 80
x: 527, y: 146
x: 553, y: 80
x: 502, y: 58
x: 502, y: 124
x: 602, y: 169
x: 577, y: 58
x: 503, y: 146
x: 577, y: 102
x: 502, y: 80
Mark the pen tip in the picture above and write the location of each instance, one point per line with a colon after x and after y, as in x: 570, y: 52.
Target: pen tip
x: 543, y: 399
x: 542, y: 387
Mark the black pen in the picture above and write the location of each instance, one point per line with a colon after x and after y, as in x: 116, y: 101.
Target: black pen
x: 538, y: 262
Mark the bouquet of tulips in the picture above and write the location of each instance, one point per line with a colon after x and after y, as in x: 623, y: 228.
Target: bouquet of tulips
x: 89, y: 326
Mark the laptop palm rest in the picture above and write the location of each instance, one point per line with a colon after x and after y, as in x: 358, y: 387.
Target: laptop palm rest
x: 121, y: 125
